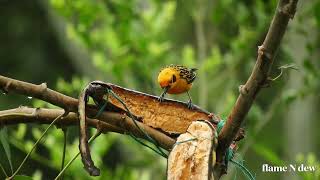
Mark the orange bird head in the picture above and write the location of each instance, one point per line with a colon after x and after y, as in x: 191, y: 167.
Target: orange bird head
x: 167, y: 77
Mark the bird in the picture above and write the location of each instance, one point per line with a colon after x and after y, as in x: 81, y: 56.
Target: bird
x: 176, y: 79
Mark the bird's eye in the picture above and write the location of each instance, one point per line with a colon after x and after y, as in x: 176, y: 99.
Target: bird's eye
x: 174, y: 78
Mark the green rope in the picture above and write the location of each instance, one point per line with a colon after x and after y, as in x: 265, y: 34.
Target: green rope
x: 150, y: 139
x: 243, y: 169
x: 161, y: 153
x: 103, y: 106
x: 230, y: 155
x: 188, y: 140
x: 158, y: 150
x: 101, y: 110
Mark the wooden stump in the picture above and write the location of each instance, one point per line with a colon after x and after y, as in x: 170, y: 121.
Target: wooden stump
x: 193, y: 156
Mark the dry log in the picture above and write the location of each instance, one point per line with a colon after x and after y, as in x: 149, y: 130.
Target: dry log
x: 194, y: 153
x: 170, y: 116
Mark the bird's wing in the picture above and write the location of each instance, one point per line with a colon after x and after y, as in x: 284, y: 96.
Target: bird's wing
x: 193, y: 77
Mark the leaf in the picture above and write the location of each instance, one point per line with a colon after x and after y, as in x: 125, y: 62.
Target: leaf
x: 5, y: 144
x: 317, y: 13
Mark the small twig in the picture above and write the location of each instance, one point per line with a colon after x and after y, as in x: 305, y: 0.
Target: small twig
x: 34, y: 146
x: 75, y: 157
x: 284, y: 67
x: 4, y: 140
x: 44, y: 161
x: 4, y: 171
x: 65, y: 131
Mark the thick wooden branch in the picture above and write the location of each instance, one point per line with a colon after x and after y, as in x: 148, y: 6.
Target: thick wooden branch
x: 41, y: 91
x: 26, y: 115
x: 46, y: 116
x: 258, y: 79
x: 116, y: 119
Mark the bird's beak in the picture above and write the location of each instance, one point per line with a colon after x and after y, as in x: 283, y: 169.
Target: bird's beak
x: 164, y: 84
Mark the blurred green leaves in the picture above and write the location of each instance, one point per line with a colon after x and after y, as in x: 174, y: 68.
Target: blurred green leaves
x: 129, y: 41
x: 73, y: 87
x: 22, y: 177
x: 268, y: 154
x: 309, y: 159
x: 119, y: 32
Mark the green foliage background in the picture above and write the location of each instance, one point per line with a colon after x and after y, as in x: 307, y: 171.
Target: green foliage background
x: 70, y: 43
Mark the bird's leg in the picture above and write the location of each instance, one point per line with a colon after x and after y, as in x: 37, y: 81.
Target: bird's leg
x: 161, y: 97
x: 190, y: 106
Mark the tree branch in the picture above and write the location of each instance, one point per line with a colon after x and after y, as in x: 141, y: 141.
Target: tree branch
x: 24, y: 114
x: 118, y: 120
x: 258, y: 79
x: 46, y: 116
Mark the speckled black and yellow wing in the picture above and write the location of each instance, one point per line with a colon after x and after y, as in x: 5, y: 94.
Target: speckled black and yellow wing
x: 185, y: 73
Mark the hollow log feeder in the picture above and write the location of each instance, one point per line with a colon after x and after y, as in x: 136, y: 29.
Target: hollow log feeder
x: 170, y: 116
x: 193, y: 156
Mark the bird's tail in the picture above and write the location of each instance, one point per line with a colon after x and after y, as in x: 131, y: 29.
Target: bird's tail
x: 193, y: 69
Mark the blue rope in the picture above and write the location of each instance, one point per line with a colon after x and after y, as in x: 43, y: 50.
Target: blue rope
x: 230, y: 155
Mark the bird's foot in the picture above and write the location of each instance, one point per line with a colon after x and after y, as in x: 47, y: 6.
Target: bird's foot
x: 190, y: 105
x: 160, y: 98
